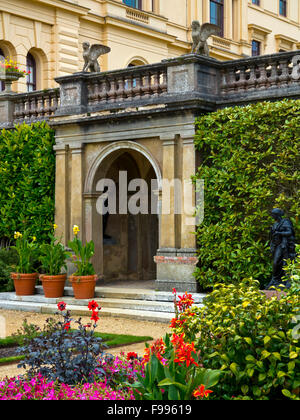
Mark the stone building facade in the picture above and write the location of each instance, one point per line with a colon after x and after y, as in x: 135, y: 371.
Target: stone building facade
x: 47, y: 35
x: 137, y: 116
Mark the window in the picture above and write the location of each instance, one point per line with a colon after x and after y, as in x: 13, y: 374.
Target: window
x: 136, y: 4
x: 217, y: 14
x: 2, y: 85
x: 257, y: 2
x: 283, y: 7
x: 255, y: 48
x: 31, y: 78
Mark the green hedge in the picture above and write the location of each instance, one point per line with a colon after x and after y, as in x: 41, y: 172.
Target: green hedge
x: 27, y: 181
x: 250, y: 164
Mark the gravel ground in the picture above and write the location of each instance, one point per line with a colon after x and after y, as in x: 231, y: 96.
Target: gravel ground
x: 14, y: 320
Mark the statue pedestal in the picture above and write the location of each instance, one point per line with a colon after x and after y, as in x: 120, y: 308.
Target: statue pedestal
x: 271, y: 293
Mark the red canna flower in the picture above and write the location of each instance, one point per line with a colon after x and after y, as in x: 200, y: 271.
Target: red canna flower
x: 95, y: 316
x: 201, y: 392
x: 67, y: 326
x: 131, y: 355
x: 61, y: 306
x: 93, y: 305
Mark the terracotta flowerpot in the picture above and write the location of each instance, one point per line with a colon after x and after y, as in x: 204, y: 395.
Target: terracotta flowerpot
x: 24, y: 283
x: 83, y: 286
x: 53, y: 285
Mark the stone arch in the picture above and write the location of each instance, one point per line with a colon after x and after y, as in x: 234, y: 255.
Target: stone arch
x: 119, y: 148
x: 135, y: 237
x: 137, y: 61
x: 8, y: 50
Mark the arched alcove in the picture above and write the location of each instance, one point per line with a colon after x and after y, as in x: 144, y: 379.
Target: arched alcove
x: 130, y: 239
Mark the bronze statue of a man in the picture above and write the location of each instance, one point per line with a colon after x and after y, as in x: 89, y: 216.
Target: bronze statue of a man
x: 282, y: 244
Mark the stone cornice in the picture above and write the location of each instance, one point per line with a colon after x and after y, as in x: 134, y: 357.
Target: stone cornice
x: 66, y: 5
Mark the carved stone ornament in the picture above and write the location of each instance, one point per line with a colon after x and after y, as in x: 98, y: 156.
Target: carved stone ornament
x: 200, y: 35
x: 91, y: 55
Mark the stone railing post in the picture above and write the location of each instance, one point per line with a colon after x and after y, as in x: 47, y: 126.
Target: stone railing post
x: 194, y: 74
x: 73, y: 94
x: 7, y: 108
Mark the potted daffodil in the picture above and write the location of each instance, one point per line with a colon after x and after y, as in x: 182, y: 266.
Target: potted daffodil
x: 25, y: 276
x: 53, y: 257
x: 84, y: 279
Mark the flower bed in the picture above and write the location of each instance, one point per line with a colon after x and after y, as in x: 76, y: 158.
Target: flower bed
x: 38, y: 388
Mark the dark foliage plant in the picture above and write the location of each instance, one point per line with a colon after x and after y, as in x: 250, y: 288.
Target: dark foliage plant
x: 250, y: 164
x: 8, y: 261
x: 59, y: 353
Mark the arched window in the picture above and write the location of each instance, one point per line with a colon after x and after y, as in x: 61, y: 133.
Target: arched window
x: 31, y: 77
x: 2, y: 85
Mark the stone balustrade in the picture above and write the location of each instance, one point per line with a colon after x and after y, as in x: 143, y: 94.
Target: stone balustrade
x: 262, y: 74
x: 186, y: 82
x: 127, y: 85
x: 35, y: 106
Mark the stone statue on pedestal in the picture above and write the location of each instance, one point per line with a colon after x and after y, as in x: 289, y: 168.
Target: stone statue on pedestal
x: 200, y: 35
x: 91, y: 55
x: 282, y: 244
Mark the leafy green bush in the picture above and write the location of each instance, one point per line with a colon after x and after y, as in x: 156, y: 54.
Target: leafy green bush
x: 250, y: 164
x: 251, y: 339
x: 8, y: 261
x: 27, y: 181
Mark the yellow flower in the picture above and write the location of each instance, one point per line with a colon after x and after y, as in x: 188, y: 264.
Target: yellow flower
x: 18, y: 235
x: 34, y: 238
x: 76, y: 230
x: 55, y: 226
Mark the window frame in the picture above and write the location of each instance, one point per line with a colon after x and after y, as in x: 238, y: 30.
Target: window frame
x: 138, y: 4
x: 283, y: 4
x: 219, y: 21
x: 258, y: 43
x: 2, y: 84
x: 31, y: 78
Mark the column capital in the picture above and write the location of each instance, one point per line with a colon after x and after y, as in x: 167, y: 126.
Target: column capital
x: 76, y: 148
x: 188, y: 140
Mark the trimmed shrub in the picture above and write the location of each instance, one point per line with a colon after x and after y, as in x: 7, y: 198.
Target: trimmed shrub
x: 27, y: 181
x: 250, y: 164
x: 253, y: 340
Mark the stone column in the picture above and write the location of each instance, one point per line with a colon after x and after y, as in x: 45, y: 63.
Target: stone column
x: 76, y: 185
x: 61, y: 193
x: 228, y: 19
x: 176, y: 258
x: 93, y: 229
x: 168, y: 228
x: 188, y: 240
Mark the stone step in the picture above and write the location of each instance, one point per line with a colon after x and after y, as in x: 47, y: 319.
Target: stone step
x: 50, y: 308
x: 138, y: 304
x: 132, y: 294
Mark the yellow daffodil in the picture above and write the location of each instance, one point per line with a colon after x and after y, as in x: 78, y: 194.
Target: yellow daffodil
x: 18, y: 235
